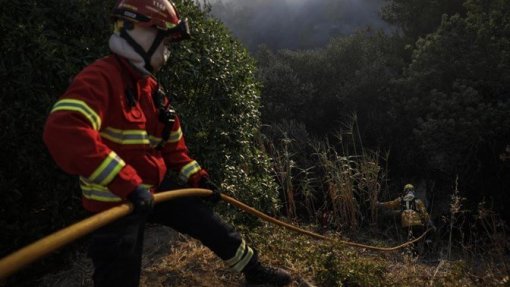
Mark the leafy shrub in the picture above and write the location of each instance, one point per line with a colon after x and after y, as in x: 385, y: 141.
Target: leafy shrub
x: 345, y: 267
x: 322, y: 88
x: 213, y: 81
x: 454, y: 99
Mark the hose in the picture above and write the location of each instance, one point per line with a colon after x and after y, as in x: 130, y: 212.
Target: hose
x: 268, y: 218
x: 37, y: 250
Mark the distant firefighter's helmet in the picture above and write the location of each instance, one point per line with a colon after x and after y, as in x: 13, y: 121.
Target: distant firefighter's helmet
x: 408, y: 187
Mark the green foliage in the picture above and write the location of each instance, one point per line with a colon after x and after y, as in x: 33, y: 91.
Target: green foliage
x: 441, y: 111
x: 454, y: 96
x: 417, y: 18
x: 213, y: 81
x: 322, y: 262
x: 46, y: 42
x: 308, y: 94
x: 322, y: 88
x: 42, y: 47
x: 347, y: 269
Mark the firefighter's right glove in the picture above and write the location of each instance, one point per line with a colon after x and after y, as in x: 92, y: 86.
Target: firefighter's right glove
x: 142, y: 199
x: 206, y: 183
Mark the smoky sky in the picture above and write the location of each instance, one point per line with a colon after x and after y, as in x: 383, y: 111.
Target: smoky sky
x: 296, y: 24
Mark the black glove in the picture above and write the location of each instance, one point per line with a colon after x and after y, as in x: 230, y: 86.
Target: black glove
x: 142, y: 199
x: 205, y: 182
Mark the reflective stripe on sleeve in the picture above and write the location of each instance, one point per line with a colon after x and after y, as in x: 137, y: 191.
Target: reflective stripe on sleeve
x: 243, y: 255
x: 175, y: 136
x: 81, y: 107
x: 188, y: 170
x: 98, y: 192
x: 107, y: 170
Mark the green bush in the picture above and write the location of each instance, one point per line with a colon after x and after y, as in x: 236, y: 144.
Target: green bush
x: 417, y: 18
x: 454, y: 99
x: 322, y: 88
x: 345, y: 268
x: 45, y: 42
x: 213, y: 81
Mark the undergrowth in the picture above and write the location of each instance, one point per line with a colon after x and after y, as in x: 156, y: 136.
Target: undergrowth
x: 330, y: 265
x: 184, y: 262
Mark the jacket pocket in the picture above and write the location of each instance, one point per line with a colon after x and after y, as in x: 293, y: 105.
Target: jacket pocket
x: 134, y: 116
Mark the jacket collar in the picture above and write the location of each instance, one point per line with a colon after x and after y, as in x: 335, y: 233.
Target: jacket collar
x: 409, y: 196
x: 129, y: 69
x: 121, y: 47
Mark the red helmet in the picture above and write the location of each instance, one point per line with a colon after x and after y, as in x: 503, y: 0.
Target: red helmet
x: 161, y: 14
x: 148, y: 13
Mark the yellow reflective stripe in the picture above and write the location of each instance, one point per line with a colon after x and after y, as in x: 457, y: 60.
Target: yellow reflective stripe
x: 241, y: 264
x: 241, y: 258
x: 108, y: 169
x: 126, y: 137
x: 238, y: 255
x: 99, y: 196
x: 188, y: 170
x: 81, y: 107
x: 97, y: 192
x: 154, y: 141
x: 175, y: 136
x: 170, y: 25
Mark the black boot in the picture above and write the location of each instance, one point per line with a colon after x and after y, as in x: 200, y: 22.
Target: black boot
x: 258, y: 275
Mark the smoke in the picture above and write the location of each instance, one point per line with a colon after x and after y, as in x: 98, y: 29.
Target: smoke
x: 296, y: 24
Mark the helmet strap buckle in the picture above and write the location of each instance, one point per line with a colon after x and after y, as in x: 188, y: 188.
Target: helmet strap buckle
x: 146, y: 56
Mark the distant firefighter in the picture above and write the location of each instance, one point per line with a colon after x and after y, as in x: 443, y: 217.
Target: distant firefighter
x: 414, y: 215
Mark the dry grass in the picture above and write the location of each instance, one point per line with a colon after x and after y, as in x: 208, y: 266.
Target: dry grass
x: 189, y: 264
x: 184, y: 262
x: 336, y: 183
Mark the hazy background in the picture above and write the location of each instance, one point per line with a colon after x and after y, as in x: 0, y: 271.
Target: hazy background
x: 296, y: 24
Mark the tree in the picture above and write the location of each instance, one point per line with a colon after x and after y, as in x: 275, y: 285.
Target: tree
x: 417, y: 18
x: 322, y: 88
x: 455, y: 98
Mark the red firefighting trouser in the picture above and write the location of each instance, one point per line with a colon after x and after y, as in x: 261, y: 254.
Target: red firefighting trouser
x: 116, y: 250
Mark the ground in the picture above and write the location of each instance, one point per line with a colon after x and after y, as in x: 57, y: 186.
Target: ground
x: 175, y: 260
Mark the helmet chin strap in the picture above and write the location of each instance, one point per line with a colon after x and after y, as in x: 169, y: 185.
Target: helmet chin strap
x: 146, y: 56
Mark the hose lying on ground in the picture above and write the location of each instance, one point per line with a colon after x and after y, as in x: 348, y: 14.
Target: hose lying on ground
x: 35, y: 251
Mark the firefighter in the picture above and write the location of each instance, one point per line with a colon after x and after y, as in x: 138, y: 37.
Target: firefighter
x: 117, y: 131
x: 413, y: 214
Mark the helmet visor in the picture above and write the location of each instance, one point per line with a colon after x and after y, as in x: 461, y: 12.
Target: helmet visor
x: 179, y: 32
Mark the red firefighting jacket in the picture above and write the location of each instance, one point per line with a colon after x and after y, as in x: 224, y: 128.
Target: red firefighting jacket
x: 92, y: 131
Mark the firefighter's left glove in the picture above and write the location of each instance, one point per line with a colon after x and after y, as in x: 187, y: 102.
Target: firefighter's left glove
x: 142, y: 200
x: 205, y: 182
